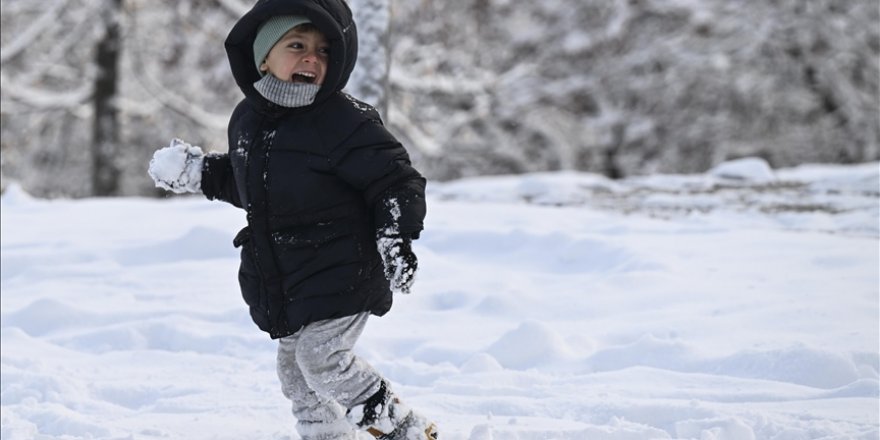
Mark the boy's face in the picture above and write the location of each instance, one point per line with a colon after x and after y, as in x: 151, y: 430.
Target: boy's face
x: 299, y: 57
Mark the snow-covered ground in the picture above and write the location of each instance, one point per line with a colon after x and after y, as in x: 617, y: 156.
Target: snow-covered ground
x: 739, y: 304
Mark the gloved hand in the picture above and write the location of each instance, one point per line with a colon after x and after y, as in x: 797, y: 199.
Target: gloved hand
x: 177, y: 167
x: 399, y: 260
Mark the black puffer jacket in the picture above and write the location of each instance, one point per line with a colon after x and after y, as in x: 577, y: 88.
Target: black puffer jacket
x: 316, y: 183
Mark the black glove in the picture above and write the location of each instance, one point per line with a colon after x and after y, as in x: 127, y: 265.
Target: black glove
x: 399, y: 260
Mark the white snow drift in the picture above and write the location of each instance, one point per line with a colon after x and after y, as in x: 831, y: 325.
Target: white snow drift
x: 740, y: 304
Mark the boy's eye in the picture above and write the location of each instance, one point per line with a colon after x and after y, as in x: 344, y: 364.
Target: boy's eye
x: 324, y: 51
x: 295, y: 45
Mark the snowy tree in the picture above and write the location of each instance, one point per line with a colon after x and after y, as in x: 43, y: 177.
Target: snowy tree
x: 83, y: 97
x: 369, y: 81
x: 472, y: 87
x: 632, y: 87
x: 47, y: 88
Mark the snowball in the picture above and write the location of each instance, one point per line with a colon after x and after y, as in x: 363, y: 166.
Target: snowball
x: 177, y: 167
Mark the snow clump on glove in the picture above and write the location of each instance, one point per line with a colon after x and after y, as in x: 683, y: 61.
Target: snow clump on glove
x: 399, y: 260
x: 396, y: 250
x: 177, y: 167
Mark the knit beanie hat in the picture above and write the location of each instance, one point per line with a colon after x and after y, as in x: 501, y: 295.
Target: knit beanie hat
x: 271, y: 31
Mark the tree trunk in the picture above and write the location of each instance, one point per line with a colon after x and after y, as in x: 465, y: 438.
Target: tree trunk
x: 105, y: 128
x: 370, y: 77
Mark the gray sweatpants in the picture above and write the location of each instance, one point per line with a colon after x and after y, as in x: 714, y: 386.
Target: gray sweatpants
x: 323, y: 378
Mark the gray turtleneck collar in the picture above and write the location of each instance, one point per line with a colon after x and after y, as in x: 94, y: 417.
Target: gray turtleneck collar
x: 286, y: 94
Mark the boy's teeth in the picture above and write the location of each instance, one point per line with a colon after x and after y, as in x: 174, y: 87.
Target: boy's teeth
x: 304, y: 77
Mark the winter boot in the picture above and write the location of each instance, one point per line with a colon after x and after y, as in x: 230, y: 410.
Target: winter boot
x: 386, y: 418
x: 413, y: 427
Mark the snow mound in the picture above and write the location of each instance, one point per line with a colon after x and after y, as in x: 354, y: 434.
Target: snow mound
x: 481, y: 363
x: 199, y: 243
x: 715, y: 429
x: 46, y: 316
x: 648, y: 351
x: 845, y: 196
x: 749, y: 169
x: 15, y: 195
x: 556, y: 252
x: 530, y: 345
x: 798, y: 365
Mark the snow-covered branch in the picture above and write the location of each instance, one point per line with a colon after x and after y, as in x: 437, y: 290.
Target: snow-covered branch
x: 43, y: 99
x: 39, y: 26
x: 419, y: 138
x: 185, y: 107
x: 234, y: 7
x: 474, y: 87
x: 174, y: 101
x: 438, y: 83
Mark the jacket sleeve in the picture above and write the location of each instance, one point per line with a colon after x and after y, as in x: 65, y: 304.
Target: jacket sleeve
x: 374, y: 162
x: 218, y: 181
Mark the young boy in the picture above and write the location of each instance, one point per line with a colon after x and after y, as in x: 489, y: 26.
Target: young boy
x: 332, y: 205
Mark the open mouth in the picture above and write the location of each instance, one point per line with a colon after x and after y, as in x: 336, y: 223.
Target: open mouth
x: 303, y: 77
